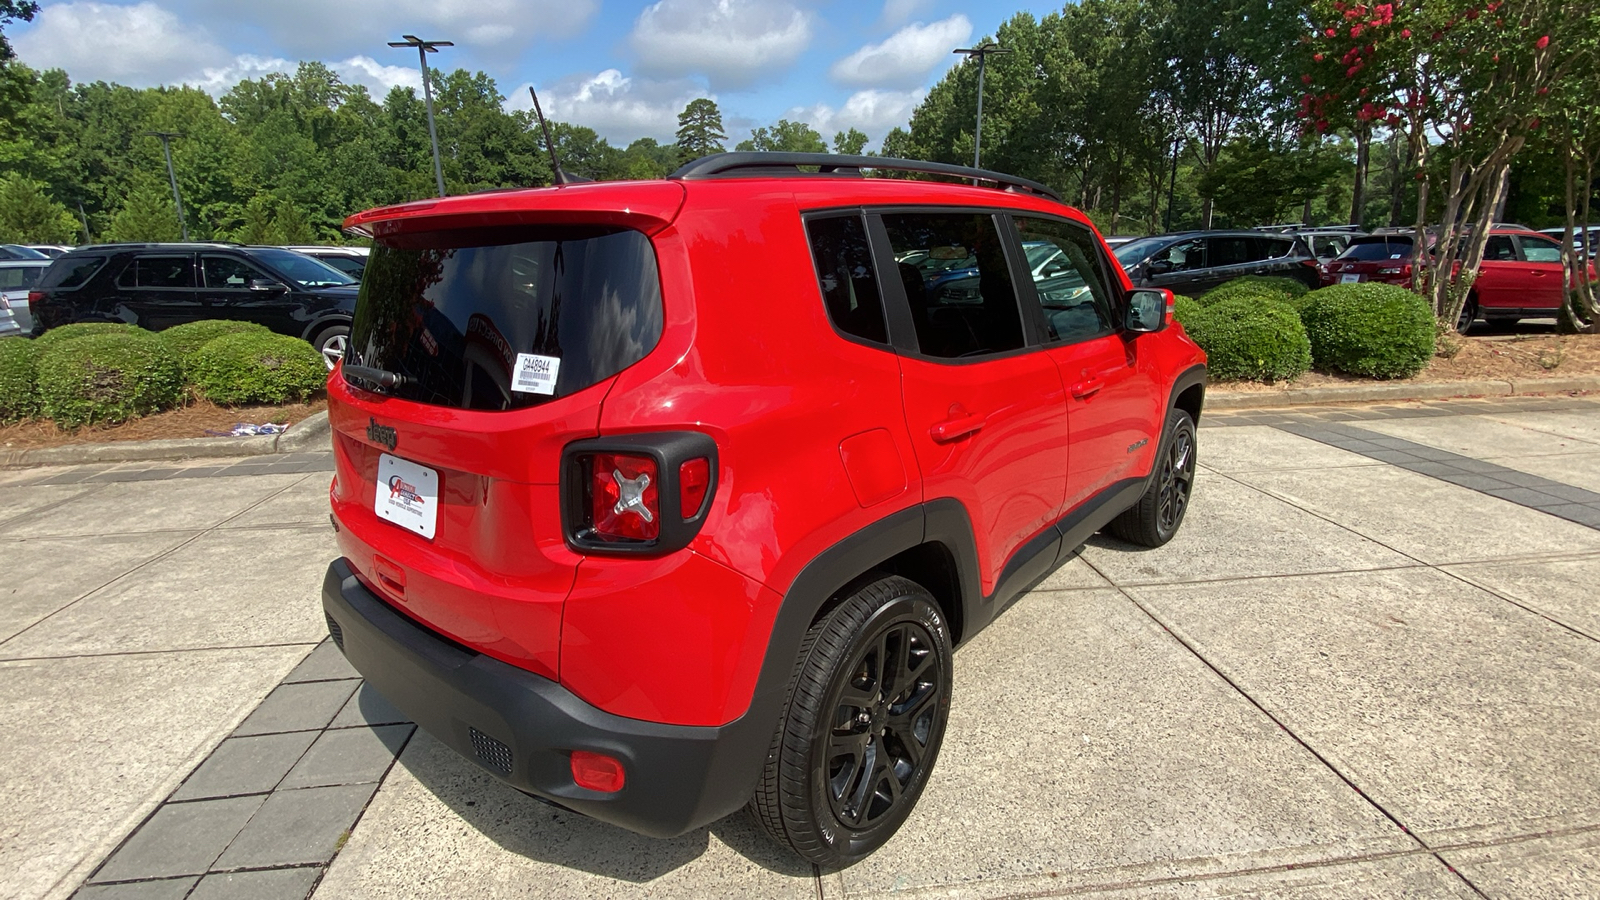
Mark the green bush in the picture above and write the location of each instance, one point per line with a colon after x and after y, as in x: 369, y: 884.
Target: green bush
x: 19, y: 379
x: 183, y: 340
x: 106, y: 378
x: 1186, y: 310
x: 1282, y: 290
x: 257, y: 368
x: 1373, y: 329
x: 83, y: 329
x: 1251, y: 338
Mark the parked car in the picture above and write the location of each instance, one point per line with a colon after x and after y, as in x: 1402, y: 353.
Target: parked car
x: 1520, y: 276
x: 1117, y: 240
x: 1328, y: 243
x: 350, y: 260
x: 157, y: 286
x: 17, y: 278
x: 640, y: 550
x: 1585, y: 238
x: 50, y: 250
x: 1194, y: 262
x: 8, y: 320
x: 17, y: 251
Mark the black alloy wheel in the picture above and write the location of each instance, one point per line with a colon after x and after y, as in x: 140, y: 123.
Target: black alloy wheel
x: 1158, y: 514
x: 866, y: 715
x: 1469, y: 314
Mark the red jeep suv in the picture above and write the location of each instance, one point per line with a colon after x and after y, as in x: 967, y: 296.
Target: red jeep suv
x: 660, y: 498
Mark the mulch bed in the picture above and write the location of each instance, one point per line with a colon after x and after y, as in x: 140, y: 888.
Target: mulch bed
x: 200, y: 418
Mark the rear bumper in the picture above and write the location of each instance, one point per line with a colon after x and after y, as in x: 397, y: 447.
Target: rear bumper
x: 522, y: 727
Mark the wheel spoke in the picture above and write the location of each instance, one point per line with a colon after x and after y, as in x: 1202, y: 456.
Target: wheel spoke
x: 862, y: 787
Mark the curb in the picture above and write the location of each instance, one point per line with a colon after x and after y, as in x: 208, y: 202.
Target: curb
x: 1398, y: 393
x: 311, y: 434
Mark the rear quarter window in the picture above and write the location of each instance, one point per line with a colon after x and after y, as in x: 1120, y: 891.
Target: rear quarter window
x: 71, y: 272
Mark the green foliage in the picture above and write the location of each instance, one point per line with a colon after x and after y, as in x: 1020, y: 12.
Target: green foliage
x: 785, y: 137
x: 107, y: 378
x: 29, y: 216
x: 147, y: 216
x: 1187, y: 311
x: 63, y: 333
x: 1373, y: 329
x: 700, y: 130
x: 256, y: 368
x: 1248, y: 338
x: 1282, y: 290
x: 850, y: 143
x: 183, y: 340
x: 19, y: 375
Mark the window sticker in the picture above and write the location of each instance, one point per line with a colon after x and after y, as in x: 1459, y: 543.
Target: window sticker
x: 534, y: 374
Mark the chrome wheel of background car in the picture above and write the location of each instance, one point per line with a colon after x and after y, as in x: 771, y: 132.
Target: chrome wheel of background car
x: 1177, y: 480
x: 333, y: 349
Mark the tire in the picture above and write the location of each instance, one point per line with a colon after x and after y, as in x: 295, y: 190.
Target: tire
x: 1159, y: 513
x: 845, y: 768
x: 331, y: 342
x: 1469, y: 314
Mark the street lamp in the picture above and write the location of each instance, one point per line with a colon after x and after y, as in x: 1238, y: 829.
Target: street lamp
x: 423, y: 49
x: 982, y: 52
x: 166, y: 148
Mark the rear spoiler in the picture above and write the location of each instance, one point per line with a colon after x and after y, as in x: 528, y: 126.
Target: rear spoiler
x: 647, y: 206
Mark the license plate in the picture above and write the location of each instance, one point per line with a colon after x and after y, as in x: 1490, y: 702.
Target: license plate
x: 1349, y: 279
x: 407, y: 495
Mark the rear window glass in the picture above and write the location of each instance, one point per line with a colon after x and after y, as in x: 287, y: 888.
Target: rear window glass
x: 159, y: 272
x: 16, y: 278
x: 1369, y: 249
x: 957, y: 283
x: 71, y: 272
x: 845, y: 274
x: 485, y: 326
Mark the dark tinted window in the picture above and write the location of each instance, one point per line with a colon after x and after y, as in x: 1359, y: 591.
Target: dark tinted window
x: 843, y: 259
x: 1274, y: 248
x: 1063, y: 261
x: 962, y: 300
x: 1374, y: 249
x: 15, y: 278
x: 1500, y: 249
x: 159, y: 272
x: 68, y: 273
x: 229, y: 272
x: 464, y: 324
x: 302, y: 268
x: 1231, y: 251
x: 349, y: 265
x: 1540, y: 250
x: 1184, y: 256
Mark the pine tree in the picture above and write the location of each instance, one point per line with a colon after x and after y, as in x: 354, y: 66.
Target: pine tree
x: 700, y: 129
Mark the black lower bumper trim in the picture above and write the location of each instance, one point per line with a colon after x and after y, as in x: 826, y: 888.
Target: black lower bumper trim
x: 521, y: 727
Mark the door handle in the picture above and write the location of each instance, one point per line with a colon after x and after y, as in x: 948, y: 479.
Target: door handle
x: 1087, y: 388
x: 956, y: 428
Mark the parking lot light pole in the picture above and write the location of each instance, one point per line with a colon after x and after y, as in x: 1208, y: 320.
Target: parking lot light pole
x: 172, y: 176
x: 982, y: 52
x: 423, y: 49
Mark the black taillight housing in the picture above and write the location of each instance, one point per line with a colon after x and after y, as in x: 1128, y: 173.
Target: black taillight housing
x: 637, y: 494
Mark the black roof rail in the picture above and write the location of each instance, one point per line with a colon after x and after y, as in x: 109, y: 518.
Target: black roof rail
x: 759, y: 164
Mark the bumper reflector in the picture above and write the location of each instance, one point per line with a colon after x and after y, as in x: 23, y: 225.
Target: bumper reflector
x: 597, y: 772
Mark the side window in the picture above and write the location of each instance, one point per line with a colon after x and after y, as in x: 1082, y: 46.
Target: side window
x: 1072, y: 292
x: 227, y: 272
x: 957, y: 283
x: 1230, y: 251
x: 1183, y: 256
x: 1273, y: 248
x: 1500, y: 249
x: 1540, y: 251
x: 159, y: 272
x: 849, y: 285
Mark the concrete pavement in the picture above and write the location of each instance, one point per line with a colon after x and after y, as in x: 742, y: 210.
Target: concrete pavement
x: 1353, y: 674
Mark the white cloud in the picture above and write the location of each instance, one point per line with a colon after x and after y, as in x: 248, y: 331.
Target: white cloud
x: 873, y: 112
x: 137, y: 45
x: 897, y: 11
x: 620, y: 108
x: 733, y: 43
x: 378, y: 77
x: 906, y: 57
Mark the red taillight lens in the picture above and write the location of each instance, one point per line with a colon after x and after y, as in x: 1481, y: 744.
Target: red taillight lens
x: 35, y: 297
x: 626, y: 501
x: 694, y: 477
x: 597, y: 772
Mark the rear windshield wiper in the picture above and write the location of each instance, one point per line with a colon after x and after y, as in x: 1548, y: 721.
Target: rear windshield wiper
x: 380, y: 377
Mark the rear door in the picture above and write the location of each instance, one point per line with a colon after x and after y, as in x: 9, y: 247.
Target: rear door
x: 159, y: 289
x: 1504, y: 282
x: 1229, y: 256
x: 1110, y: 392
x: 1542, y: 257
x: 985, y: 409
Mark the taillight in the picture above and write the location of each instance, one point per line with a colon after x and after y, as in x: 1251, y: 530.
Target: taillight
x: 35, y: 297
x: 637, y: 494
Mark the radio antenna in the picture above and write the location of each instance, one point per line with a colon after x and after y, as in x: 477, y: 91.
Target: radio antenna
x: 550, y: 144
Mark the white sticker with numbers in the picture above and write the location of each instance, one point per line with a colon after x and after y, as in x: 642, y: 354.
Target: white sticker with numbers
x: 535, y: 374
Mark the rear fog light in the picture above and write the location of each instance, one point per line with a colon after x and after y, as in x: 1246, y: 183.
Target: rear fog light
x: 597, y: 772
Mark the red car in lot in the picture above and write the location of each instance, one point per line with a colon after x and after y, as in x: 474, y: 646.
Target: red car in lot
x: 1520, y: 277
x: 657, y: 499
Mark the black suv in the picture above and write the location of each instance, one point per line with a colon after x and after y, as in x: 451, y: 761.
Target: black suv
x: 1194, y: 262
x: 157, y: 286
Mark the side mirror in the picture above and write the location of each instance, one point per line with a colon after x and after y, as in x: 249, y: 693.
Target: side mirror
x: 1158, y: 267
x: 1146, y: 311
x: 267, y: 284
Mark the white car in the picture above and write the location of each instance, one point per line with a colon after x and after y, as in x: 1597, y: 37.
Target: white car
x: 350, y: 260
x: 1587, y: 238
x: 17, y: 277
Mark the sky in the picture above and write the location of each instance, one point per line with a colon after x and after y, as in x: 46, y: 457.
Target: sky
x: 625, y: 68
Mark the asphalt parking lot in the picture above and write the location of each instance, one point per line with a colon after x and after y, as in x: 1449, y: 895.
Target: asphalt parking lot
x: 1367, y: 667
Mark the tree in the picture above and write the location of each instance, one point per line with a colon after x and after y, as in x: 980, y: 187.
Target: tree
x: 29, y: 216
x: 850, y: 143
x: 700, y: 129
x: 10, y: 11
x: 1258, y: 181
x: 148, y: 215
x: 786, y: 137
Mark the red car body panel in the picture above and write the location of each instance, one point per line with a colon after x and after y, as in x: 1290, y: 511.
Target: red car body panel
x: 1511, y: 285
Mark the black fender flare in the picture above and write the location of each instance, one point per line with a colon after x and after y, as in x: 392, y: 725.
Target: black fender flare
x: 1194, y: 376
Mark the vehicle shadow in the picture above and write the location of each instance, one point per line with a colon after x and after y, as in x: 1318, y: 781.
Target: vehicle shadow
x: 542, y: 832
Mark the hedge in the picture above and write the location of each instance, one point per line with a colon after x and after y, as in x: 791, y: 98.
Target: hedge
x: 183, y: 340
x: 256, y: 368
x: 1186, y: 310
x: 1250, y: 338
x: 19, y: 379
x: 83, y: 329
x: 1290, y: 287
x: 1374, y: 329
x: 107, y: 378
